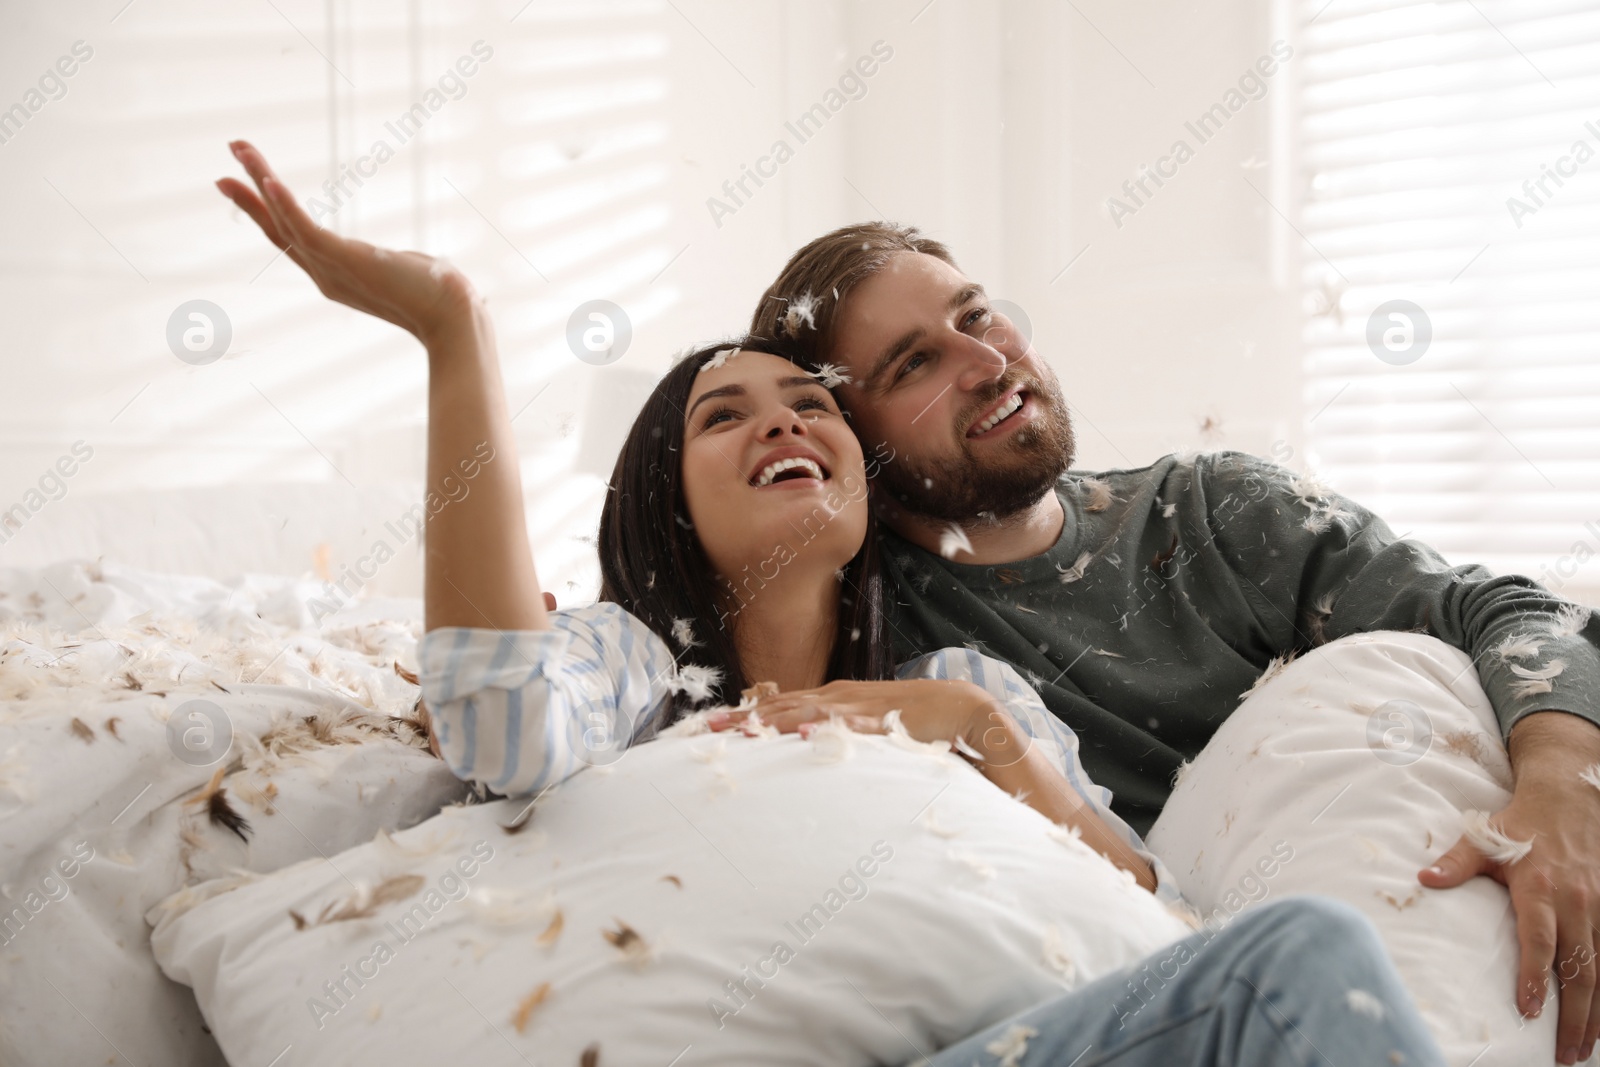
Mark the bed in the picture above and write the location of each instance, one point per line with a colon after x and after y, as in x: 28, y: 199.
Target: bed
x: 224, y: 782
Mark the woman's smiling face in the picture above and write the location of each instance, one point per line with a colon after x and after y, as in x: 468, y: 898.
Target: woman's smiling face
x: 771, y: 471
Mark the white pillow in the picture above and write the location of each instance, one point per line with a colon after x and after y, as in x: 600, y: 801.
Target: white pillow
x: 1357, y: 761
x: 95, y: 820
x: 893, y: 899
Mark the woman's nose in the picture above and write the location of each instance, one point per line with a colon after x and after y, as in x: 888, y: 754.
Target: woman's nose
x: 786, y: 420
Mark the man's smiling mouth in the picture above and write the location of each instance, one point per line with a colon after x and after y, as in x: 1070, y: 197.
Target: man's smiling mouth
x: 1004, y: 410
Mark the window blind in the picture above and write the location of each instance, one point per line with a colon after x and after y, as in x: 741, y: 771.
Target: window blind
x: 1449, y: 157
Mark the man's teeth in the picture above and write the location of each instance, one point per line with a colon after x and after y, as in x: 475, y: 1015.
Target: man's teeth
x: 772, y: 470
x: 1005, y: 409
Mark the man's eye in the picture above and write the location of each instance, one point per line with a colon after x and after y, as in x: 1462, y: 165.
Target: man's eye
x: 975, y: 316
x: 909, y: 365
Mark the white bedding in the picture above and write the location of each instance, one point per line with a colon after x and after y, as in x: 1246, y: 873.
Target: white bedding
x: 97, y: 821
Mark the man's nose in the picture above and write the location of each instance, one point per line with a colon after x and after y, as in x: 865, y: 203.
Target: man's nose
x: 981, y: 361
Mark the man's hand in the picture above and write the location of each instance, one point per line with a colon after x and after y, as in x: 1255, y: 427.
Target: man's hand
x: 1555, y: 890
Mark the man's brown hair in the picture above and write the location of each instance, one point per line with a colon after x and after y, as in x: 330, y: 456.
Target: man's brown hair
x: 802, y: 305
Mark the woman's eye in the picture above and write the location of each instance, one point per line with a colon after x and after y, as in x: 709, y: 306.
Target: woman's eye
x: 716, y: 416
x: 810, y: 404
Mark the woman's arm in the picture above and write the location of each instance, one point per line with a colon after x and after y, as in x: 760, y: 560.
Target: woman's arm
x: 1035, y: 778
x: 478, y: 569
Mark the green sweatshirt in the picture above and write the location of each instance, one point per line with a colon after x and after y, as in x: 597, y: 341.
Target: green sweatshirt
x: 1172, y: 587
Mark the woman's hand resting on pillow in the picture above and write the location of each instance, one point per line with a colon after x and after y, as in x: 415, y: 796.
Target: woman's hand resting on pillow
x: 975, y: 725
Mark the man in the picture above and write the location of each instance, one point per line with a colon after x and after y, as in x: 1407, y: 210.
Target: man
x: 1142, y: 603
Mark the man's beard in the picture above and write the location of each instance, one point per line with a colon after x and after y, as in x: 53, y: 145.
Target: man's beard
x: 966, y: 489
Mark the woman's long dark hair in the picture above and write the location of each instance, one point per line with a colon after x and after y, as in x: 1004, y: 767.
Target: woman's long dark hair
x: 652, y: 564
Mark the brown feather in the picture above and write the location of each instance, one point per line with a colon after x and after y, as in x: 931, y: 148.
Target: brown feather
x: 222, y: 813
x: 525, y: 1006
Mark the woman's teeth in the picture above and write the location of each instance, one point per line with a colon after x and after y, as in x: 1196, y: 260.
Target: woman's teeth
x: 772, y: 470
x: 1005, y: 409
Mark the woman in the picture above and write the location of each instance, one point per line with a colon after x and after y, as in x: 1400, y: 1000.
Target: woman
x: 737, y: 547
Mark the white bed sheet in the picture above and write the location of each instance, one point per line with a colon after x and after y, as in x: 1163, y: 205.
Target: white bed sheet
x: 97, y: 819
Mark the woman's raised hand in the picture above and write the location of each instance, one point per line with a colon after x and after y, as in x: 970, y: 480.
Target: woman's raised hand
x: 418, y: 293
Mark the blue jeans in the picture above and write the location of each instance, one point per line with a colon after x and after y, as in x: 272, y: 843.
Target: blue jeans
x: 1300, y: 981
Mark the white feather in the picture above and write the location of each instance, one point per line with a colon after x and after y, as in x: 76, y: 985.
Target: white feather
x: 830, y: 375
x: 1012, y: 1045
x: 1521, y: 646
x: 1274, y: 668
x: 507, y: 907
x: 1591, y: 774
x: 901, y: 737
x: 801, y: 311
x: 1491, y: 840
x: 954, y: 539
x: 1570, y: 621
x: 1099, y: 494
x: 1363, y: 1003
x: 1055, y: 953
x: 683, y: 633
x: 931, y: 821
x: 1076, y: 571
x: 972, y: 863
x: 1532, y: 683
x: 720, y: 359
x: 832, y: 742
x: 695, y: 681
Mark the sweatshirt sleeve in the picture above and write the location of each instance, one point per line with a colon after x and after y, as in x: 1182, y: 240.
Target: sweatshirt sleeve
x: 520, y: 710
x: 1001, y: 681
x: 1317, y: 566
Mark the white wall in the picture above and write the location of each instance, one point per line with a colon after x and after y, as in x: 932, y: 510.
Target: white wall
x: 999, y: 127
